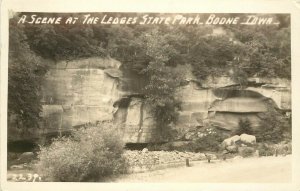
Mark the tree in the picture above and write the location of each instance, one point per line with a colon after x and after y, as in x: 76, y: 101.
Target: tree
x: 163, y: 80
x: 149, y: 50
x: 265, y: 50
x: 210, y: 55
x: 25, y: 74
x: 272, y: 126
x: 244, y: 126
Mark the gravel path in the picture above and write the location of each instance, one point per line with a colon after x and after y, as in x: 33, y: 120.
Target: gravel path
x: 250, y: 170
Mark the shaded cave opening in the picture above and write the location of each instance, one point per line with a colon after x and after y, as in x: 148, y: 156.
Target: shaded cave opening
x: 136, y: 146
x: 22, y: 146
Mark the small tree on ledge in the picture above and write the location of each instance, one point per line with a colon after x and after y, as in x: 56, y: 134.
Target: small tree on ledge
x: 244, y: 127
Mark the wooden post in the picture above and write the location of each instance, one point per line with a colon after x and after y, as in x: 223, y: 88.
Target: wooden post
x: 187, y: 162
x: 207, y: 157
x: 60, y: 125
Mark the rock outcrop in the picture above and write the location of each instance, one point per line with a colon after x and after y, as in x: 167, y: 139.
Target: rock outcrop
x: 224, y: 106
x: 231, y: 141
x: 86, y: 91
x: 136, y: 121
x: 248, y: 139
x: 76, y: 93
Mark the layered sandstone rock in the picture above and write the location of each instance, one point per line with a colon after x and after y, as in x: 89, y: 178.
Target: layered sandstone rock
x: 138, y: 125
x: 76, y: 93
x: 221, y: 103
x: 85, y: 91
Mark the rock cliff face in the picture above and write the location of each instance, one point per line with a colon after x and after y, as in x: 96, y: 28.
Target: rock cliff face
x: 76, y: 93
x: 212, y: 105
x: 85, y: 89
x: 136, y: 122
x: 90, y: 90
x: 221, y: 103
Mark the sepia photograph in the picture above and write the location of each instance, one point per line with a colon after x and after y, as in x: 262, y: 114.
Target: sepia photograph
x: 149, y: 98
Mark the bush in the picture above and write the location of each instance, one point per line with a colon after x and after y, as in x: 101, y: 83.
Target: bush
x: 210, y: 141
x: 283, y: 148
x: 272, y: 127
x: 265, y: 150
x: 90, y: 154
x: 166, y: 147
x: 244, y: 127
x: 246, y: 151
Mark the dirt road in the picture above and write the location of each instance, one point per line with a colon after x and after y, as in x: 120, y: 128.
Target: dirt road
x: 250, y: 170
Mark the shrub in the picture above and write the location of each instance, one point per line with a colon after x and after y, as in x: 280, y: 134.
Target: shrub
x: 265, y: 150
x: 283, y: 148
x: 272, y: 127
x: 166, y: 147
x: 244, y: 127
x: 209, y: 142
x: 90, y: 154
x: 246, y: 151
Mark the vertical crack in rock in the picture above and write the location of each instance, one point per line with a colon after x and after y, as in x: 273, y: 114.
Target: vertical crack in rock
x: 140, y: 130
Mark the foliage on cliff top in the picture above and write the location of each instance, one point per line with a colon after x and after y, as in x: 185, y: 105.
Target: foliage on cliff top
x: 258, y: 50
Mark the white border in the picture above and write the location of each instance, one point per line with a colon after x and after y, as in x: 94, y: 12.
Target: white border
x: 172, y: 6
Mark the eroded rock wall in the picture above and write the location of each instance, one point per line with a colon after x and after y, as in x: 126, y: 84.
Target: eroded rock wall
x: 85, y: 91
x: 137, y: 122
x: 76, y: 93
x: 221, y: 103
